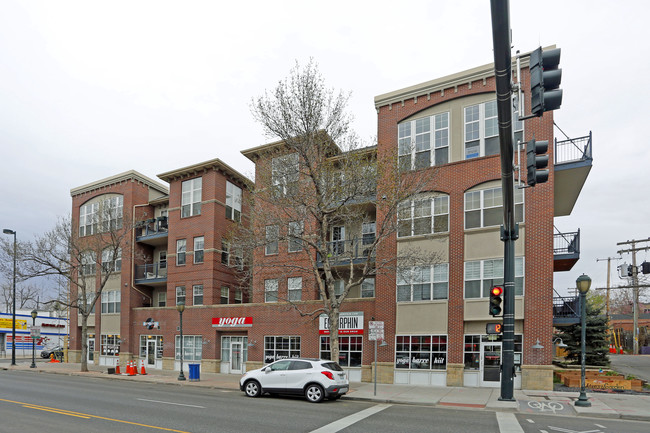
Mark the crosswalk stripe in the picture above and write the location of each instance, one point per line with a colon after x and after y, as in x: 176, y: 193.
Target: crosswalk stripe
x: 351, y: 419
x: 508, y: 423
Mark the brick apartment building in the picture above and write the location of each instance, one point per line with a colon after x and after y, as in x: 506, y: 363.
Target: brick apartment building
x: 435, y: 323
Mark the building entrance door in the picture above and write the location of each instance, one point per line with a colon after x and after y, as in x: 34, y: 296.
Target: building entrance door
x: 151, y: 352
x: 91, y: 350
x: 491, y: 364
x: 236, y: 358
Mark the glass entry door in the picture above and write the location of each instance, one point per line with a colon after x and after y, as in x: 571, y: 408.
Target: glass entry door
x: 91, y: 350
x: 236, y: 358
x: 151, y: 352
x: 491, y: 364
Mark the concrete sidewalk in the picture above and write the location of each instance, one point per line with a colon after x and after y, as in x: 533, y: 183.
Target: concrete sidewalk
x: 603, y: 405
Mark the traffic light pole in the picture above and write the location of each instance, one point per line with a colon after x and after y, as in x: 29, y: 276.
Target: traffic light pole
x: 500, y: 11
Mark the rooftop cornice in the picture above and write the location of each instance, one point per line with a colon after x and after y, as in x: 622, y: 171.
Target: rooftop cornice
x: 130, y: 175
x: 213, y: 164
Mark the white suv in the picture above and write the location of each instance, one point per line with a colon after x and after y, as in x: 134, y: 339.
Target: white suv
x: 316, y: 379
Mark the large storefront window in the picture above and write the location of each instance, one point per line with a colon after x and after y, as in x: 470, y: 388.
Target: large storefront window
x: 350, y: 350
x: 281, y: 347
x: 192, y: 347
x: 226, y: 343
x: 472, y: 351
x: 110, y: 345
x: 147, y: 342
x: 421, y: 352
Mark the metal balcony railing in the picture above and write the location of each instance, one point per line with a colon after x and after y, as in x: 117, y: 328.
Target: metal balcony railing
x: 566, y: 309
x: 566, y: 243
x: 353, y: 249
x: 152, y: 227
x: 151, y: 271
x: 573, y: 150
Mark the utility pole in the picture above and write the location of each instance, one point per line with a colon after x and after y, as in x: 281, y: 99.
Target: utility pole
x: 609, y: 263
x: 635, y: 284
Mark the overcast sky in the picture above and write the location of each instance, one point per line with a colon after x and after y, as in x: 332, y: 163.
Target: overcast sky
x: 89, y: 89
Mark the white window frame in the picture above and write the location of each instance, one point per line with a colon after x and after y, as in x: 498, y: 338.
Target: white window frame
x: 368, y: 288
x: 181, y: 295
x: 162, y: 299
x: 191, y: 196
x: 112, y: 213
x: 197, y: 294
x: 413, y: 279
x: 233, y: 202
x: 111, y: 300
x: 294, y: 288
x: 88, y: 219
x: 192, y: 347
x: 481, y: 128
x: 421, y: 208
x: 181, y: 252
x: 491, y: 271
x: 225, y: 295
x: 425, y: 134
x: 271, y: 290
x: 88, y: 263
x: 199, y: 250
x: 272, y: 240
x: 285, y: 172
x: 238, y: 296
x: 296, y: 229
x: 483, y: 200
x: 110, y: 264
x: 109, y: 345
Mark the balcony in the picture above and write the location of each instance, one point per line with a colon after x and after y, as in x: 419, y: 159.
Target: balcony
x: 573, y: 160
x: 153, y: 274
x: 566, y: 310
x: 566, y: 250
x: 152, y: 232
x: 341, y: 252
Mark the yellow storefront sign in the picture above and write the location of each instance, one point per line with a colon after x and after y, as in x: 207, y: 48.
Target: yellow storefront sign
x: 6, y: 323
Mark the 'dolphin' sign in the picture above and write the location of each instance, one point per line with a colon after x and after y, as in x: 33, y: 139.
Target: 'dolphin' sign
x: 350, y: 323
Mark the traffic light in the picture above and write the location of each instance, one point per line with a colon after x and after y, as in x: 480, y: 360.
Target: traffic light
x: 645, y: 267
x: 545, y: 78
x: 496, y: 299
x: 537, y: 161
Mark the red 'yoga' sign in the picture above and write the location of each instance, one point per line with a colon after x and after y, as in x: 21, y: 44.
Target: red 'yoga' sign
x: 232, y: 322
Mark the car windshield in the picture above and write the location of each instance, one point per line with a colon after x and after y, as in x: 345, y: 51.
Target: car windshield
x: 332, y: 366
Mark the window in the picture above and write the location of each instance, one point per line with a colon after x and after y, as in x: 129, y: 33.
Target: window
x: 423, y: 283
x: 484, y: 208
x: 163, y: 259
x: 110, y: 263
x: 368, y: 288
x: 192, y: 347
x: 284, y: 175
x: 472, y: 350
x: 368, y: 231
x: 238, y: 297
x: 88, y: 260
x: 271, y: 240
x: 423, y: 216
x: 423, y: 142
x: 295, y: 234
x: 162, y: 299
x: 226, y: 343
x: 181, y: 247
x: 281, y: 347
x: 270, y: 290
x: 198, y: 249
x: 180, y: 295
x: 225, y: 253
x: 111, y: 301
x: 112, y: 212
x: 225, y: 295
x: 191, y: 197
x: 482, y: 129
x: 339, y: 287
x: 482, y: 275
x: 233, y: 202
x: 88, y: 219
x: 294, y: 285
x: 421, y: 352
x: 197, y: 291
x: 110, y: 345
x: 350, y: 350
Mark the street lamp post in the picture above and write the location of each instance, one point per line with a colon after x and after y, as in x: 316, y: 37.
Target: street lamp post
x: 13, y: 311
x: 583, y: 283
x: 181, y: 307
x: 34, y: 314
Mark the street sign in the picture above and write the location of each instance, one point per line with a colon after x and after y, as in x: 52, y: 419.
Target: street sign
x: 375, y: 331
x: 36, y: 331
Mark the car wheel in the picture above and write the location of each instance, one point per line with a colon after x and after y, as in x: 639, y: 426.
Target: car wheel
x: 314, y: 393
x: 253, y: 388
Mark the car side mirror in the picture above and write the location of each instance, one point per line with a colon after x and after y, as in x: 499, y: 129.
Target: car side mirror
x: 266, y: 369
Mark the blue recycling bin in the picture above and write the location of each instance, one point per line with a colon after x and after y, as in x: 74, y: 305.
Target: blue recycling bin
x: 195, y: 371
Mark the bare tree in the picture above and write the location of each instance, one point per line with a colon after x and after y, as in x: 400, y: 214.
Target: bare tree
x: 85, y: 263
x: 317, y: 179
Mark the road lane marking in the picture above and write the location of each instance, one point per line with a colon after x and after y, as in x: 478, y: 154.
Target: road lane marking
x: 600, y: 426
x: 82, y: 415
x: 530, y: 421
x: 169, y: 402
x: 508, y: 423
x: 351, y: 419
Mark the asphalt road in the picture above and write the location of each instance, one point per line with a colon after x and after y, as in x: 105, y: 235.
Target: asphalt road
x: 40, y: 402
x: 635, y: 365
